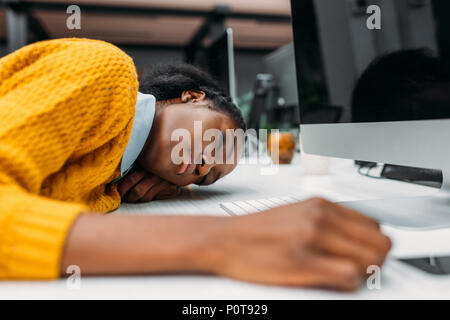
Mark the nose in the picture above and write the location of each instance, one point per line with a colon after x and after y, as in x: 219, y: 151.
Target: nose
x: 204, y: 168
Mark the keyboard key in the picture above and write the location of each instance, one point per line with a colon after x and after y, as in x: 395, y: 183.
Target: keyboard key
x: 258, y: 205
x: 288, y: 199
x: 232, y: 209
x: 252, y: 206
x: 245, y: 206
x: 277, y: 201
x: 268, y: 203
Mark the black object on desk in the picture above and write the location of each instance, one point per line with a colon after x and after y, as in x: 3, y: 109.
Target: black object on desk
x: 422, y: 176
x: 433, y: 265
x: 426, y: 177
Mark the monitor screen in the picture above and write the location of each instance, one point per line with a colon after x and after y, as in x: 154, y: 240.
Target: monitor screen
x: 218, y: 60
x: 280, y: 64
x: 359, y: 62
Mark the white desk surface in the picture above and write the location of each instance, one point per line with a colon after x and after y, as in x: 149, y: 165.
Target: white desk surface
x: 399, y: 281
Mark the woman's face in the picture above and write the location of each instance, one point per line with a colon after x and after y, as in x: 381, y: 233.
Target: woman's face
x: 177, y: 149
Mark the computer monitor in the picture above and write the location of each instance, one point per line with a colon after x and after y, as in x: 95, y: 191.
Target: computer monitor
x: 218, y: 60
x: 281, y: 65
x: 386, y: 67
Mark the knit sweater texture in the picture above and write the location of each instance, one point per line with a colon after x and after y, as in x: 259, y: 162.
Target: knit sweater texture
x: 66, y: 113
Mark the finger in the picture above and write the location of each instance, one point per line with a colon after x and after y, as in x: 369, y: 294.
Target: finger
x: 336, y: 244
x: 325, y: 206
x: 327, y: 271
x: 139, y: 190
x: 357, y: 216
x: 362, y: 233
x: 130, y: 180
x: 156, y: 189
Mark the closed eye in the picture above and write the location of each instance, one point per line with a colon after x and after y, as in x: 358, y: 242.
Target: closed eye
x: 201, y: 182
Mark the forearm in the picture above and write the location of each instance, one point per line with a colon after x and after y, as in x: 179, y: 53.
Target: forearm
x: 311, y: 243
x: 138, y: 245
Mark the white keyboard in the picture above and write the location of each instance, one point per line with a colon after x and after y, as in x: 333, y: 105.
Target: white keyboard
x: 237, y: 208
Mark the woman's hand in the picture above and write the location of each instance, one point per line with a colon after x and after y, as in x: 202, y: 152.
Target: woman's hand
x: 141, y: 186
x: 312, y: 243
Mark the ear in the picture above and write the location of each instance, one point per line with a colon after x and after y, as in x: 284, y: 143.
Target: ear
x: 193, y: 96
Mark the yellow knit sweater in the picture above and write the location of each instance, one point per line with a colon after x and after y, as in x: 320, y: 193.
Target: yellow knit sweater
x: 66, y: 112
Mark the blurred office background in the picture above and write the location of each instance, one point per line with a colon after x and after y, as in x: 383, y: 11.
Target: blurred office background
x: 334, y: 44
x: 154, y: 31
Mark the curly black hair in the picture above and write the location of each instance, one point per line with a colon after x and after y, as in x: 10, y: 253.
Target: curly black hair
x: 168, y: 81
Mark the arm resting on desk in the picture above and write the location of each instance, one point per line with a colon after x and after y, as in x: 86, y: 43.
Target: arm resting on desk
x: 311, y: 243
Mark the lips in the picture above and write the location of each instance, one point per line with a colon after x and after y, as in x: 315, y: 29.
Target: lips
x: 186, y: 168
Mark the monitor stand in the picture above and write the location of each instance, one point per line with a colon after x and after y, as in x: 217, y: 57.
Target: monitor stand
x: 414, y: 213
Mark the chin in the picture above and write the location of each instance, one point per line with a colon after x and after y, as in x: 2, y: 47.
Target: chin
x: 177, y: 180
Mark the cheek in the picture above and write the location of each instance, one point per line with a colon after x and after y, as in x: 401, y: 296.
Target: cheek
x: 227, y: 169
x: 158, y: 160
